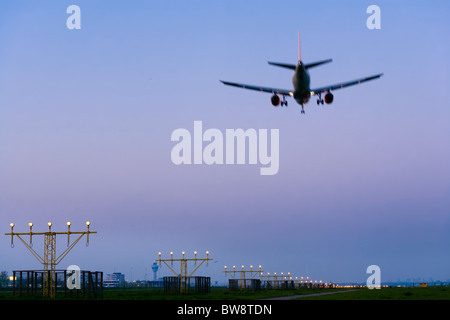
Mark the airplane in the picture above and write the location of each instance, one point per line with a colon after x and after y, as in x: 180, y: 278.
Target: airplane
x: 300, y: 80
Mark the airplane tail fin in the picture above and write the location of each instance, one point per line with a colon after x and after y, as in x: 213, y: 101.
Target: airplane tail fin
x: 299, y: 49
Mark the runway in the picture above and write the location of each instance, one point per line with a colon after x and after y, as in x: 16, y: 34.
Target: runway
x: 308, y: 295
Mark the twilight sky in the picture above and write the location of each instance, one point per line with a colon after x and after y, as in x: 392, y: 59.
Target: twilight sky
x: 86, y: 118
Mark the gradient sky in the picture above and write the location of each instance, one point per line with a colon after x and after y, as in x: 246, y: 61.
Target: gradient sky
x: 86, y: 118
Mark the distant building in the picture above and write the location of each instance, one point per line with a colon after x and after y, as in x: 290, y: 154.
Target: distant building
x: 155, y: 270
x: 148, y: 284
x: 115, y: 279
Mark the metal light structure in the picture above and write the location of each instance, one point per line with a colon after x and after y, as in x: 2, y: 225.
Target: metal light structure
x: 183, y: 274
x: 275, y: 279
x: 243, y: 278
x: 49, y: 260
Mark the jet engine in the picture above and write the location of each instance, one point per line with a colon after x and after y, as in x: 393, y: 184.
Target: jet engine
x: 275, y: 100
x: 328, y: 98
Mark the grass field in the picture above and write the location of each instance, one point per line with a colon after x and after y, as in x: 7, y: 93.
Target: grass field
x: 416, y: 293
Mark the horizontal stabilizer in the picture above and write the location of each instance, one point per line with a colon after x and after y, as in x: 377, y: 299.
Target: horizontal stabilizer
x: 284, y: 65
x: 318, y: 63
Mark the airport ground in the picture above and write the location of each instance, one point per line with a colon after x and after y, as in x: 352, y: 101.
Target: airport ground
x: 221, y: 293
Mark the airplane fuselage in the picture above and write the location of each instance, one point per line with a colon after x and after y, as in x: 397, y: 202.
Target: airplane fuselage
x: 301, y: 80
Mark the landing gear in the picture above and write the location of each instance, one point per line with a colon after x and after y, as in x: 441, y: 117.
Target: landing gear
x: 303, y: 111
x: 284, y: 102
x: 319, y: 100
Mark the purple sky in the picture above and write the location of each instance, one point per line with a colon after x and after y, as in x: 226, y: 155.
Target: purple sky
x: 86, y: 118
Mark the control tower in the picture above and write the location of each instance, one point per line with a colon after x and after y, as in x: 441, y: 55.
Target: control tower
x: 155, y: 270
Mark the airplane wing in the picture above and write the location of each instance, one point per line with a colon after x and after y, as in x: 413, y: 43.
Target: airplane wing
x: 259, y: 88
x: 344, y: 84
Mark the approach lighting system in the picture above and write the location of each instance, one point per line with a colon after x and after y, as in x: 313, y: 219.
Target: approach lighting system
x: 49, y: 260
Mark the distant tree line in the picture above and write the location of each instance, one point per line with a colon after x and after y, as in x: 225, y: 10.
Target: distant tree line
x: 4, y: 279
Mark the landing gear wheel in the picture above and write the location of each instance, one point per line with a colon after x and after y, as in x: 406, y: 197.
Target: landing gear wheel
x: 303, y: 111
